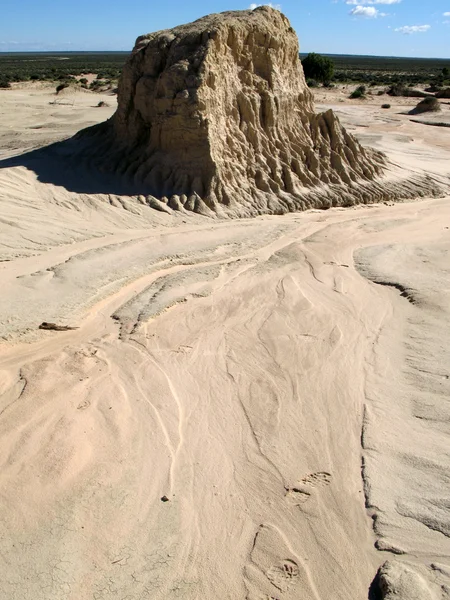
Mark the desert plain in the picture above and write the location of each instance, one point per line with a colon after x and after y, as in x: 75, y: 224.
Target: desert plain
x: 241, y: 408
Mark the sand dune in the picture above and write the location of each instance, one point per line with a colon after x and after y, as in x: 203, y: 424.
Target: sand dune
x: 248, y: 409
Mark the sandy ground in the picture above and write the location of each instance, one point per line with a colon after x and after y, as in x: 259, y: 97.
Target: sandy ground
x: 32, y: 115
x: 251, y: 409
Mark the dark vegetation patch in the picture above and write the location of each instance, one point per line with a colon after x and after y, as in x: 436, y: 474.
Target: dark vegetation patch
x: 318, y: 68
x: 360, y: 92
x: 443, y: 93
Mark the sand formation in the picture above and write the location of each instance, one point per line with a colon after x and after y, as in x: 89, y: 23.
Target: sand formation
x: 219, y: 110
x: 216, y: 116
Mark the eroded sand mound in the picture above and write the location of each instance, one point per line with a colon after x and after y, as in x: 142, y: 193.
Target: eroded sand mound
x: 398, y: 580
x: 216, y: 116
x: 220, y: 108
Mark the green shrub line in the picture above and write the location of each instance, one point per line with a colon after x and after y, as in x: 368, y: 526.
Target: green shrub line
x: 63, y: 67
x: 388, y: 71
x: 363, y: 70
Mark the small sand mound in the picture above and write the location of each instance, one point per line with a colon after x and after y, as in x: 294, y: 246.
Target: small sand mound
x: 426, y: 105
x: 398, y: 581
x: 443, y: 93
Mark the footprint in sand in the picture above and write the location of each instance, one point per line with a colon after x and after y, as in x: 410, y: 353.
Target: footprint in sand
x: 274, y: 571
x: 304, y: 489
x: 283, y: 575
x: 320, y: 478
x: 83, y: 405
x: 297, y: 496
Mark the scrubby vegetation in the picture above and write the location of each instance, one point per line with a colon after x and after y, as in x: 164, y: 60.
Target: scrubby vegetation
x: 386, y: 71
x: 72, y: 67
x: 61, y: 66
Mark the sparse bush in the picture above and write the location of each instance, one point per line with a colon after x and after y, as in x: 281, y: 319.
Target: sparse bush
x: 398, y: 89
x: 101, y: 104
x: 312, y: 83
x: 385, y: 106
x: 443, y: 93
x: 316, y: 66
x: 429, y: 104
x: 61, y: 86
x: 83, y: 81
x: 360, y: 92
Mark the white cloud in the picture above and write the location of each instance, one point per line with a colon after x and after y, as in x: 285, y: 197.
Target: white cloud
x: 408, y: 29
x: 446, y: 14
x: 368, y: 12
x: 253, y: 6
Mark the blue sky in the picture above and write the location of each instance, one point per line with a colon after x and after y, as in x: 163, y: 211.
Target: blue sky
x: 382, y: 27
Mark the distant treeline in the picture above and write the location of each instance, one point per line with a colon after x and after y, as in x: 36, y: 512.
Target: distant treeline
x: 40, y: 66
x: 385, y: 70
x: 62, y: 66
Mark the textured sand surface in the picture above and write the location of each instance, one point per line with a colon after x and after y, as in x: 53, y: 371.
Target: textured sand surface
x: 282, y: 382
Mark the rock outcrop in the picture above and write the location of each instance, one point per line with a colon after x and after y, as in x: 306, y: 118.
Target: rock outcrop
x: 215, y: 116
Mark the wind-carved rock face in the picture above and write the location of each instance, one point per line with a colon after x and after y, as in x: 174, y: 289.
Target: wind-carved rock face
x: 216, y: 116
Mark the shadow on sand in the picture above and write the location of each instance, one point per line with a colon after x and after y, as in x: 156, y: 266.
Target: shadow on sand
x: 61, y: 164
x: 375, y: 592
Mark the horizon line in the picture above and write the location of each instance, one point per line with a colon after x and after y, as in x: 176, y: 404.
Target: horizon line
x: 3, y: 52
